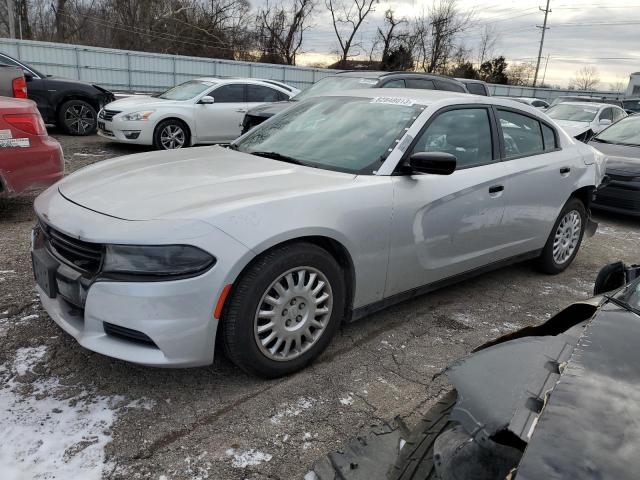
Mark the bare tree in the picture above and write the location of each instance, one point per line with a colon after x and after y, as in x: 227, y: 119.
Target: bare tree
x: 390, y: 34
x: 489, y: 39
x: 587, y: 78
x: 619, y: 86
x: 521, y: 74
x: 347, y: 17
x: 281, y: 28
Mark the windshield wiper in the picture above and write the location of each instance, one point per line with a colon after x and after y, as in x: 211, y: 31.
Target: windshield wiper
x: 622, y: 303
x: 278, y: 156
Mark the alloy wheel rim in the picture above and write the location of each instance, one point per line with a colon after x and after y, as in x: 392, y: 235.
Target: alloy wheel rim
x: 79, y: 119
x: 293, y: 313
x: 567, y: 237
x: 172, y: 137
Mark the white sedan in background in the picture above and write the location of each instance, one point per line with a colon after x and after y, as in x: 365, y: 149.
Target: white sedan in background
x: 582, y: 120
x: 200, y: 111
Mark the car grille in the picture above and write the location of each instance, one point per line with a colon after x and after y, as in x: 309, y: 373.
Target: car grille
x: 85, y: 256
x: 108, y: 114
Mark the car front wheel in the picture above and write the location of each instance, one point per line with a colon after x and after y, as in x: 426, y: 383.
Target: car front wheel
x: 170, y: 135
x: 284, y: 310
x: 565, y: 239
x: 78, y: 118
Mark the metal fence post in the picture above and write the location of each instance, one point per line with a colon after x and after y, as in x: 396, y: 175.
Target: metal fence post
x: 174, y: 70
x: 129, y: 72
x: 77, y: 63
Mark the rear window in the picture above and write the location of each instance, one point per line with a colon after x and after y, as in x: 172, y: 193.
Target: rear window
x: 522, y: 134
x: 450, y: 87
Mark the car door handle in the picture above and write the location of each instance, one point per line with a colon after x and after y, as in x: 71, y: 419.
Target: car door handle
x: 241, y: 110
x: 496, y: 189
x: 565, y: 170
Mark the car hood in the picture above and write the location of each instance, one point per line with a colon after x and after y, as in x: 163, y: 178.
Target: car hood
x: 269, y: 109
x: 573, y: 128
x: 620, y: 158
x: 190, y: 183
x: 139, y: 101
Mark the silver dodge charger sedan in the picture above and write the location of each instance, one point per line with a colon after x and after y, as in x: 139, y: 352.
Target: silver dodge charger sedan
x: 335, y: 208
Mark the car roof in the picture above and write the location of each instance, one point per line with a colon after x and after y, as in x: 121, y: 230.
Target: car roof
x: 383, y: 74
x: 257, y: 81
x: 587, y: 104
x: 471, y: 80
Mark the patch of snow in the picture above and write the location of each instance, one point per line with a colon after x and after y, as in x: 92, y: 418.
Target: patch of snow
x: 306, y: 436
x: 293, y: 410
x: 26, y: 358
x: 144, y: 403
x: 29, y: 317
x: 2, y: 272
x: 348, y: 400
x: 247, y: 458
x: 311, y: 476
x: 510, y: 326
x: 89, y: 154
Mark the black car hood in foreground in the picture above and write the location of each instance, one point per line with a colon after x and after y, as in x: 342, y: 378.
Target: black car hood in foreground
x: 620, y: 158
x: 268, y: 110
x: 557, y: 401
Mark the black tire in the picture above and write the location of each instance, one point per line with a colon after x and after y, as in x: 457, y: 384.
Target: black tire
x: 171, y: 123
x: 546, y: 262
x: 78, y: 118
x: 415, y: 461
x: 238, y: 317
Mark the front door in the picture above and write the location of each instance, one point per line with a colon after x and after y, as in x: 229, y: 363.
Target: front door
x: 446, y: 225
x: 220, y: 121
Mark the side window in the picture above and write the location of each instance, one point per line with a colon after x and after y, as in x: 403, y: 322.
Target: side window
x: 282, y: 96
x: 606, y: 114
x: 539, y: 103
x: 617, y: 114
x: 450, y: 87
x: 420, y: 83
x: 476, y: 88
x: 394, y: 84
x: 7, y: 61
x: 465, y: 133
x: 522, y: 134
x: 259, y: 93
x: 549, y: 137
x: 233, y: 93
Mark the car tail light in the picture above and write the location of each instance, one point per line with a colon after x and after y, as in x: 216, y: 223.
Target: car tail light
x: 27, y: 122
x: 19, y: 87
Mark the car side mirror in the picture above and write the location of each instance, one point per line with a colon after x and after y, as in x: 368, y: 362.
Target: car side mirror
x: 207, y: 100
x: 614, y: 276
x: 28, y: 76
x: 435, y: 163
x: 605, y: 122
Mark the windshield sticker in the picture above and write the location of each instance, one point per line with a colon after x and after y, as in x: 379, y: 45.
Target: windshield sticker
x: 4, y: 134
x: 405, y: 102
x: 368, y: 81
x: 15, y: 142
x: 404, y: 144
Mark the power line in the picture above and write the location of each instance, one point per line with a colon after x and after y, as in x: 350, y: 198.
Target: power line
x: 544, y: 29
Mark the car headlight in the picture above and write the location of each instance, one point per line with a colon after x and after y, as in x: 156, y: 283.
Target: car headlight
x: 156, y: 260
x: 138, y: 116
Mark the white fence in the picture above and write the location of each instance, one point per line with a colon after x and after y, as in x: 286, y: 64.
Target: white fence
x: 131, y: 71
x: 142, y: 71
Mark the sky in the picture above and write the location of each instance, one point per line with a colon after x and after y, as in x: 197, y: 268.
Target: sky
x: 601, y: 33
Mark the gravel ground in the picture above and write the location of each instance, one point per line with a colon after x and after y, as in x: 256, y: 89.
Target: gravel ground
x: 65, y: 409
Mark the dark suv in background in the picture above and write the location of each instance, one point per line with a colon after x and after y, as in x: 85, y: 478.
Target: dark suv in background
x: 72, y: 105
x: 353, y: 80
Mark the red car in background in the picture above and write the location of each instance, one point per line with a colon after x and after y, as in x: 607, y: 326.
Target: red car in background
x: 29, y: 158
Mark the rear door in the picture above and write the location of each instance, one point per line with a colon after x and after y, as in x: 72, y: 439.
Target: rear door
x: 220, y: 121
x: 541, y: 178
x: 446, y: 225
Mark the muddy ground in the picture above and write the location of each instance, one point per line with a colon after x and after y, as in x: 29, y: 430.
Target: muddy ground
x: 66, y: 410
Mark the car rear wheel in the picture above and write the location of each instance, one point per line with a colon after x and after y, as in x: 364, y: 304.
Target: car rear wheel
x: 77, y: 117
x: 170, y: 135
x: 283, y: 310
x: 565, y: 239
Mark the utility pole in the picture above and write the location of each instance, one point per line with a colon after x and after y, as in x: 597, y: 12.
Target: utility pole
x: 544, y: 75
x: 12, y: 22
x: 544, y: 29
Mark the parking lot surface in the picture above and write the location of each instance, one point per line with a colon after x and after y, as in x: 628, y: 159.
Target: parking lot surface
x: 67, y: 409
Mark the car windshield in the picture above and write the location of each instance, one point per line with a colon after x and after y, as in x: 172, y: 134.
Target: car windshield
x: 186, y: 90
x: 335, y: 84
x: 633, y: 105
x: 572, y: 112
x: 345, y: 134
x: 624, y: 132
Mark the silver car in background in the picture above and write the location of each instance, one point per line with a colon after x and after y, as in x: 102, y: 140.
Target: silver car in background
x: 335, y: 208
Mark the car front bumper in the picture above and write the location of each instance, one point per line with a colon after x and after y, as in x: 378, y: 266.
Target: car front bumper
x: 174, y: 318
x: 120, y: 130
x: 619, y: 196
